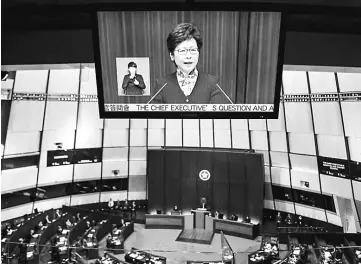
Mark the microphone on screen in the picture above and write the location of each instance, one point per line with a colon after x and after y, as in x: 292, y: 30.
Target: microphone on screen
x: 157, y: 93
x: 225, y: 94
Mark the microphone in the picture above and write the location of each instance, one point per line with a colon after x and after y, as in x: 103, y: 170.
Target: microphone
x: 225, y: 94
x: 157, y: 93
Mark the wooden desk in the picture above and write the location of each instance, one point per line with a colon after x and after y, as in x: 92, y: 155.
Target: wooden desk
x: 234, y: 228
x: 164, y: 221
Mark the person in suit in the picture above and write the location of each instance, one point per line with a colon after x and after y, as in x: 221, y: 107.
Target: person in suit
x: 133, y: 83
x: 133, y: 210
x: 187, y: 85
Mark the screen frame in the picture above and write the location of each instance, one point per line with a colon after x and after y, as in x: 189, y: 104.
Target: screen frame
x: 241, y: 7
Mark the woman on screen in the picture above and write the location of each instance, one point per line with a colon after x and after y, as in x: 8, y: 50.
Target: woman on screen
x: 133, y: 83
x: 187, y: 85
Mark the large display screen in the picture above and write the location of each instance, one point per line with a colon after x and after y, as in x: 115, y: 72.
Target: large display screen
x: 189, y: 63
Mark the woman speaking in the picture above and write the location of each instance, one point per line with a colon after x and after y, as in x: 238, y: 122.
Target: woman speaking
x: 187, y: 85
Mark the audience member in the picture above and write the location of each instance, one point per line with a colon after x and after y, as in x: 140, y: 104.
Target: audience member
x: 111, y: 204
x: 134, y: 210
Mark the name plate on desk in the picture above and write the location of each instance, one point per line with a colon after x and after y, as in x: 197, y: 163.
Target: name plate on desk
x: 236, y: 228
x: 164, y: 221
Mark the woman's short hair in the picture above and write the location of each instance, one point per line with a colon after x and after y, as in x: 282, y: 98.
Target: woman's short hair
x: 132, y: 64
x: 183, y: 32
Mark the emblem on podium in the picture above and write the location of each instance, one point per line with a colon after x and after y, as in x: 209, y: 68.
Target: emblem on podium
x: 204, y: 175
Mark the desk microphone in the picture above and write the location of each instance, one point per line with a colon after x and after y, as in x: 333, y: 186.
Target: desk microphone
x: 157, y: 93
x: 225, y: 94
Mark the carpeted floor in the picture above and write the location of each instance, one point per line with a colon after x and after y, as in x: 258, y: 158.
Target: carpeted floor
x: 163, y: 242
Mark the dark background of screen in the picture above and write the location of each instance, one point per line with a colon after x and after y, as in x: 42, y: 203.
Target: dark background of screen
x: 240, y: 48
x: 236, y: 184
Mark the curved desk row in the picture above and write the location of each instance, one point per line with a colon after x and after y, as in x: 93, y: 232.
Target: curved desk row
x: 234, y: 228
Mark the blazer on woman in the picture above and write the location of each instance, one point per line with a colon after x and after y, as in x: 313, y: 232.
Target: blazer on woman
x: 205, y: 91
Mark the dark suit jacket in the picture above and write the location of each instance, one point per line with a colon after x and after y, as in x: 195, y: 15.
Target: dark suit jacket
x: 205, y: 91
x: 130, y: 88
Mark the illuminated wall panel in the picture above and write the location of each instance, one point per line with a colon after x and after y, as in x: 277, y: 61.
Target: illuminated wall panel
x: 206, y: 124
x: 32, y: 81
x: 357, y: 190
x: 349, y: 82
x: 52, y: 203
x: 81, y: 199
x: 191, y: 138
x: 89, y: 116
x: 60, y: 115
x: 64, y: 81
x: 191, y: 124
x: 88, y: 84
x: 26, y: 116
x: 354, y: 145
x: 279, y: 159
x: 137, y: 195
x: 277, y: 125
x: 327, y: 118
x: 222, y: 139
x: 55, y: 175
x: 138, y: 137
x: 223, y: 124
x: 259, y: 140
x: 298, y: 179
x: 257, y: 125
x: 280, y: 176
x: 331, y: 146
x: 239, y: 124
x: 173, y: 137
x: 138, y: 123
x: 16, y: 211
x: 155, y: 137
x: 304, y: 163
x: 88, y: 138
x: 50, y: 138
x: 303, y: 122
x: 322, y: 82
x: 310, y: 212
x: 18, y: 143
x: 137, y: 184
x: 138, y: 153
x: 116, y: 137
x: 337, y: 186
x: 173, y: 124
x: 267, y: 174
x: 91, y: 171
x: 18, y: 179
x: 137, y: 168
x: 240, y: 139
x: 110, y: 166
x: 333, y: 219
x: 265, y: 156
x: 156, y: 123
x: 278, y: 141
x: 351, y: 118
x: 295, y: 82
x: 284, y: 206
x: 268, y: 204
x: 116, y: 123
x: 302, y: 143
x: 115, y: 154
x: 115, y: 195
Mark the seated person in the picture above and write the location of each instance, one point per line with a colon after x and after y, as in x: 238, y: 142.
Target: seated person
x: 74, y: 220
x: 110, y: 244
x: 94, y: 223
x: 59, y: 231
x: 279, y: 219
x: 68, y: 224
x: 126, y: 205
x: 78, y: 217
x: 88, y: 225
x: 121, y: 224
x: 47, y: 220
x: 234, y: 217
x: 57, y: 213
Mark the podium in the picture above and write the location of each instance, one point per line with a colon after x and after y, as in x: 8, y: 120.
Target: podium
x: 199, y: 220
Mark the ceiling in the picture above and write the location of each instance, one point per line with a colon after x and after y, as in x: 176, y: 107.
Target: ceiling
x: 339, y: 16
